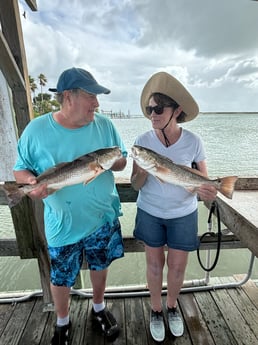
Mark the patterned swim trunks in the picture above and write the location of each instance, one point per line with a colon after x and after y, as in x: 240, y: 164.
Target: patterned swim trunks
x: 100, y: 248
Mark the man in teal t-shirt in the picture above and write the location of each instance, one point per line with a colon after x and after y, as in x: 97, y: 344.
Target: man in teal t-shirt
x: 80, y: 217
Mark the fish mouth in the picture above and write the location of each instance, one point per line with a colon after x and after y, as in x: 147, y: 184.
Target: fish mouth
x: 110, y: 158
x: 133, y: 153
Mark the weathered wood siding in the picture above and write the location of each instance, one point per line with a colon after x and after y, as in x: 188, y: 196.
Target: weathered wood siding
x: 8, y: 140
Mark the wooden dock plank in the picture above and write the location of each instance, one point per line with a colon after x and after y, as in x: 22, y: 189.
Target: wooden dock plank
x: 6, y: 311
x: 214, y: 319
x: 245, y: 306
x: 196, y: 325
x: 236, y: 322
x: 78, y: 311
x: 135, y: 325
x: 17, y: 323
x: 35, y: 325
x: 250, y: 289
x: 117, y: 307
x: 48, y: 332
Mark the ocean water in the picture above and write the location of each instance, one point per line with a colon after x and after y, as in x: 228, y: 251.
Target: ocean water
x: 231, y: 143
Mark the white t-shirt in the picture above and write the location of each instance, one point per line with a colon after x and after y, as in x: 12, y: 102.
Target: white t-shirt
x: 166, y: 200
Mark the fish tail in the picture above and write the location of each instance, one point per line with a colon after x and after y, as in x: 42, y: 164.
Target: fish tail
x: 13, y: 193
x: 227, y: 186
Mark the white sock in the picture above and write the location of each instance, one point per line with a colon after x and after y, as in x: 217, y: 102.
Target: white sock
x: 62, y: 321
x: 98, y: 306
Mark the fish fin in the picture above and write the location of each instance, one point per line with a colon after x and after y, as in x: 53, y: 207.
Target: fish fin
x: 192, y: 189
x: 160, y: 180
x: 13, y: 193
x: 98, y: 170
x: 89, y: 180
x: 106, y: 166
x: 51, y: 190
x: 227, y: 186
x: 161, y: 171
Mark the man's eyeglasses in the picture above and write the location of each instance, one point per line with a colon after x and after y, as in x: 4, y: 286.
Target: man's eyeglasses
x: 158, y: 109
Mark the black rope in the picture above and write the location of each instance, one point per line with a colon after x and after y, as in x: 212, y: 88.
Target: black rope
x: 165, y: 137
x: 214, y: 208
x: 163, y: 131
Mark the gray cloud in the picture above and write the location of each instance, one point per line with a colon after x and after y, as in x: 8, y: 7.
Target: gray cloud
x: 210, y: 28
x: 211, y: 46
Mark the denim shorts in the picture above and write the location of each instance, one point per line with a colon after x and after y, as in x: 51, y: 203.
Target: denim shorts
x: 100, y: 249
x: 178, y: 233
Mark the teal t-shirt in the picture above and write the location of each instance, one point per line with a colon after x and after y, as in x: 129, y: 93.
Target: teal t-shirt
x: 73, y: 212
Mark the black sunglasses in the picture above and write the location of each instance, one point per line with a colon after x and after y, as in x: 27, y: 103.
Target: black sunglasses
x: 158, y: 109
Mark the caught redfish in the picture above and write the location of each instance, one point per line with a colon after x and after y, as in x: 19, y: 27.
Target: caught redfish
x: 166, y: 171
x: 83, y: 169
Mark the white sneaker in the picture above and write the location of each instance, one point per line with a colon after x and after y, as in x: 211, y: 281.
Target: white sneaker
x: 157, y: 327
x: 175, y: 322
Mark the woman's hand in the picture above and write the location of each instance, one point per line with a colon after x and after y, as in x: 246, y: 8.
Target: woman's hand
x: 138, y: 177
x: 207, y: 192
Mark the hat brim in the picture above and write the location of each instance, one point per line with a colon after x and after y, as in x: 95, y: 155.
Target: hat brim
x: 166, y: 84
x: 96, y: 90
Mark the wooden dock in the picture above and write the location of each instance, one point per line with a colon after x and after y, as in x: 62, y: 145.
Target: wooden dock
x: 215, y: 317
x: 212, y: 317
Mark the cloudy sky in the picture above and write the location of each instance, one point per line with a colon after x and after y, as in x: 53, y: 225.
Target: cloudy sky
x: 210, y: 46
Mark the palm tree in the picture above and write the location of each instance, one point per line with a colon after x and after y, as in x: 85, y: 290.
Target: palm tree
x: 33, y: 86
x: 42, y: 82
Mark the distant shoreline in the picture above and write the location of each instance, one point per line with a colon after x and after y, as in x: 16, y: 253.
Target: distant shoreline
x: 229, y: 112
x: 140, y: 116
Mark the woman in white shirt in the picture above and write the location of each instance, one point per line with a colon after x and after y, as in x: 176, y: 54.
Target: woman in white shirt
x: 166, y: 213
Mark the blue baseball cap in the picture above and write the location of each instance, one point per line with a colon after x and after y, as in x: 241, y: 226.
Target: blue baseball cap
x: 78, y: 78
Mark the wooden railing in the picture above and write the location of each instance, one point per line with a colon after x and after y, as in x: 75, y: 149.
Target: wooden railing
x: 26, y: 244
x: 30, y: 240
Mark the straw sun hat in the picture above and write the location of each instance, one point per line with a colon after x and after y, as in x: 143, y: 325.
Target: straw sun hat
x: 166, y: 84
